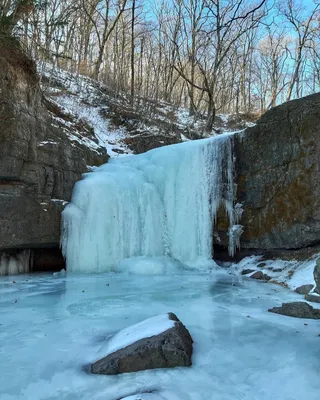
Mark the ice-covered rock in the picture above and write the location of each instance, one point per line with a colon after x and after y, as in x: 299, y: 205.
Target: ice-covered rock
x: 158, y: 342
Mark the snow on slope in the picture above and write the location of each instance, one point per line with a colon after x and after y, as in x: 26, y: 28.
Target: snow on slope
x: 291, y: 274
x: 113, y: 122
x: 84, y: 100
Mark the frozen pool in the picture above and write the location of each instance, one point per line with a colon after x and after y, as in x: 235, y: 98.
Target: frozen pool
x: 51, y: 328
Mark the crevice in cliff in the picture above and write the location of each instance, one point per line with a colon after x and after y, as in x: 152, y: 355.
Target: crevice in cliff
x: 15, y: 261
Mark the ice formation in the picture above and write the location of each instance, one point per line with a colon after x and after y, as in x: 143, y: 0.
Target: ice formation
x: 15, y: 264
x: 160, y: 203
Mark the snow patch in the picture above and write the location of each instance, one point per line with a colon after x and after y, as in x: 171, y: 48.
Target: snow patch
x: 59, y: 201
x: 145, y: 329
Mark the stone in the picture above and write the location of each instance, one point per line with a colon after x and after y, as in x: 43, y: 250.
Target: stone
x: 261, y: 265
x: 260, y: 275
x: 298, y: 309
x: 257, y: 275
x: 277, y: 270
x: 316, y: 275
x: 312, y: 297
x: 304, y: 289
x: 247, y: 271
x: 171, y: 348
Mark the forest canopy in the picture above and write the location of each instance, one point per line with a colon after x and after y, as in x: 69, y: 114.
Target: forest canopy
x: 210, y: 56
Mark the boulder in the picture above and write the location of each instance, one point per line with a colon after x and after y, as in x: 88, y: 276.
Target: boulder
x: 260, y: 276
x: 257, y: 275
x: 39, y: 162
x: 169, y: 345
x: 298, y: 309
x: 304, y: 289
x: 316, y: 275
x: 312, y: 297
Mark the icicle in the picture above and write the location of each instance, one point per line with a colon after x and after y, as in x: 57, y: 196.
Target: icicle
x: 15, y: 264
x: 235, y: 232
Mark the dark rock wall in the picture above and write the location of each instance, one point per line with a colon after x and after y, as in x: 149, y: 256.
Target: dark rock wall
x: 277, y: 175
x: 38, y: 162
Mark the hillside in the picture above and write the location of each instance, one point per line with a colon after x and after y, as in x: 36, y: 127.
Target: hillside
x: 94, y: 115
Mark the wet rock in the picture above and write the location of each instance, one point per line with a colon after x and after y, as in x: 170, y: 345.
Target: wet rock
x: 277, y: 270
x: 261, y: 265
x: 257, y: 275
x: 246, y: 271
x: 316, y: 275
x: 170, y: 348
x: 312, y: 297
x: 304, y: 289
x: 260, y: 276
x: 298, y: 309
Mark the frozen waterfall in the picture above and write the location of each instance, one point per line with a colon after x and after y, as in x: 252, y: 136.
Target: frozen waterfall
x: 160, y: 203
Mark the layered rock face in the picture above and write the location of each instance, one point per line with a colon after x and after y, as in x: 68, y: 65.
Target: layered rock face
x: 277, y: 176
x: 39, y: 164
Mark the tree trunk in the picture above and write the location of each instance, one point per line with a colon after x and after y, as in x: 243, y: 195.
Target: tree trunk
x: 132, y: 51
x: 211, y: 114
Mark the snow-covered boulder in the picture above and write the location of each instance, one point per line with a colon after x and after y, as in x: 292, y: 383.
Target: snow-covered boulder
x: 158, y: 342
x: 144, y: 396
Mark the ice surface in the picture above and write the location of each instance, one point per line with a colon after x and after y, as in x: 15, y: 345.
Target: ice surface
x: 52, y: 328
x: 162, y: 202
x: 144, y: 329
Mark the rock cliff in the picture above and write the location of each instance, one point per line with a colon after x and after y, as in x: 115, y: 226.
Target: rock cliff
x: 277, y: 179
x: 277, y: 175
x: 39, y: 163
